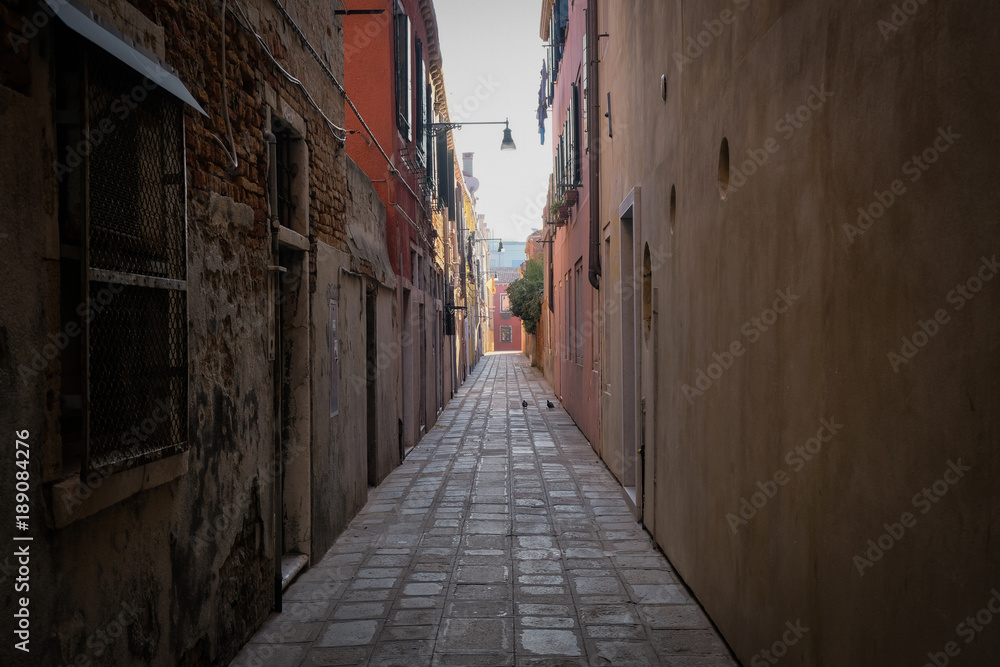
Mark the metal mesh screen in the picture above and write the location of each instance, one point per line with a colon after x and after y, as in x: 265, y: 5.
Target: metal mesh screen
x: 138, y: 373
x: 137, y: 331
x: 136, y: 176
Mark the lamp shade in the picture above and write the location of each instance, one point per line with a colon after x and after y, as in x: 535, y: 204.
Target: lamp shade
x: 508, y: 141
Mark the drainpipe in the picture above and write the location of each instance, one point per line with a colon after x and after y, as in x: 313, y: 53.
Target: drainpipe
x: 276, y: 370
x: 594, y: 145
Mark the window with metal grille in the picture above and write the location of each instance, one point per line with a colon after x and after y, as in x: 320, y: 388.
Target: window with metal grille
x: 124, y: 264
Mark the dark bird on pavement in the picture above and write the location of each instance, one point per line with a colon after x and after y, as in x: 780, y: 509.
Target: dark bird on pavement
x: 524, y: 403
x: 550, y: 404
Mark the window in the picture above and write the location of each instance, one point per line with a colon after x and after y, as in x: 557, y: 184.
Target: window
x: 558, y: 21
x: 506, y: 334
x: 283, y: 159
x: 574, y: 134
x: 123, y: 278
x: 292, y: 167
x: 420, y: 108
x: 429, y: 144
x: 568, y: 153
x: 403, y: 74
x: 504, y: 305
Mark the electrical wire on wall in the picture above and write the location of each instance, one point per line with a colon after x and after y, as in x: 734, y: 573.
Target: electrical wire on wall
x: 234, y: 160
x: 339, y: 133
x: 332, y: 78
x: 244, y: 22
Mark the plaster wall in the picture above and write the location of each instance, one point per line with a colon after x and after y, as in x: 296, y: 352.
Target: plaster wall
x: 340, y: 454
x: 790, y: 226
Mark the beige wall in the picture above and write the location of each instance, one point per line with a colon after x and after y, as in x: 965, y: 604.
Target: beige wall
x: 825, y: 358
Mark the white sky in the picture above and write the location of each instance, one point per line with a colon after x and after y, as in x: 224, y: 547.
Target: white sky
x: 497, y: 44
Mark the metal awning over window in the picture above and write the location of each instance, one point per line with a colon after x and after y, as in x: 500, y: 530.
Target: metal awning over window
x: 82, y: 21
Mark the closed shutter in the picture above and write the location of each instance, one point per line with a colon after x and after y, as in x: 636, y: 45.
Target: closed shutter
x: 402, y: 38
x: 574, y: 119
x: 420, y: 109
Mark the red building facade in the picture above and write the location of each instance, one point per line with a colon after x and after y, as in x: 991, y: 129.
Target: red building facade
x: 392, y: 63
x: 507, y: 330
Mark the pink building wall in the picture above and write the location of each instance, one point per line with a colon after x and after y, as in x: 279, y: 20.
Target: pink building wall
x: 576, y: 375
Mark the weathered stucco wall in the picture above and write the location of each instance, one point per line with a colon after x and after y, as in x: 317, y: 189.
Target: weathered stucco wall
x: 824, y: 109
x: 339, y: 456
x: 184, y: 557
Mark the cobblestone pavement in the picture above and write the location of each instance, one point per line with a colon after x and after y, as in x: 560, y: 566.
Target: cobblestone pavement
x: 501, y: 540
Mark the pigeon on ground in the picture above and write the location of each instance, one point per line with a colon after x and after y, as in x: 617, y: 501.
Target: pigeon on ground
x: 524, y: 403
x: 550, y: 404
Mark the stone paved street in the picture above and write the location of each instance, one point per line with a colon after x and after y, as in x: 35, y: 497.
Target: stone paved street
x: 501, y: 540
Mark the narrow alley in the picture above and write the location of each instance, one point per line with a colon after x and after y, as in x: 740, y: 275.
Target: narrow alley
x: 501, y: 540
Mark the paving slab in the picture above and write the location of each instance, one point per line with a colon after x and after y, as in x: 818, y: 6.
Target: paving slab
x: 501, y: 540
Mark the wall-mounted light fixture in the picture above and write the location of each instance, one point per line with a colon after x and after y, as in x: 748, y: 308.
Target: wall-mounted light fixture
x: 506, y: 145
x: 473, y: 239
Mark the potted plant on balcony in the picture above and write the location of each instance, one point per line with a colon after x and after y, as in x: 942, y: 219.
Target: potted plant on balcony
x: 559, y: 211
x: 564, y: 210
x: 572, y: 196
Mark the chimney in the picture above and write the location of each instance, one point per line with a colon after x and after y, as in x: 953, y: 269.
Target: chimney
x: 467, y: 163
